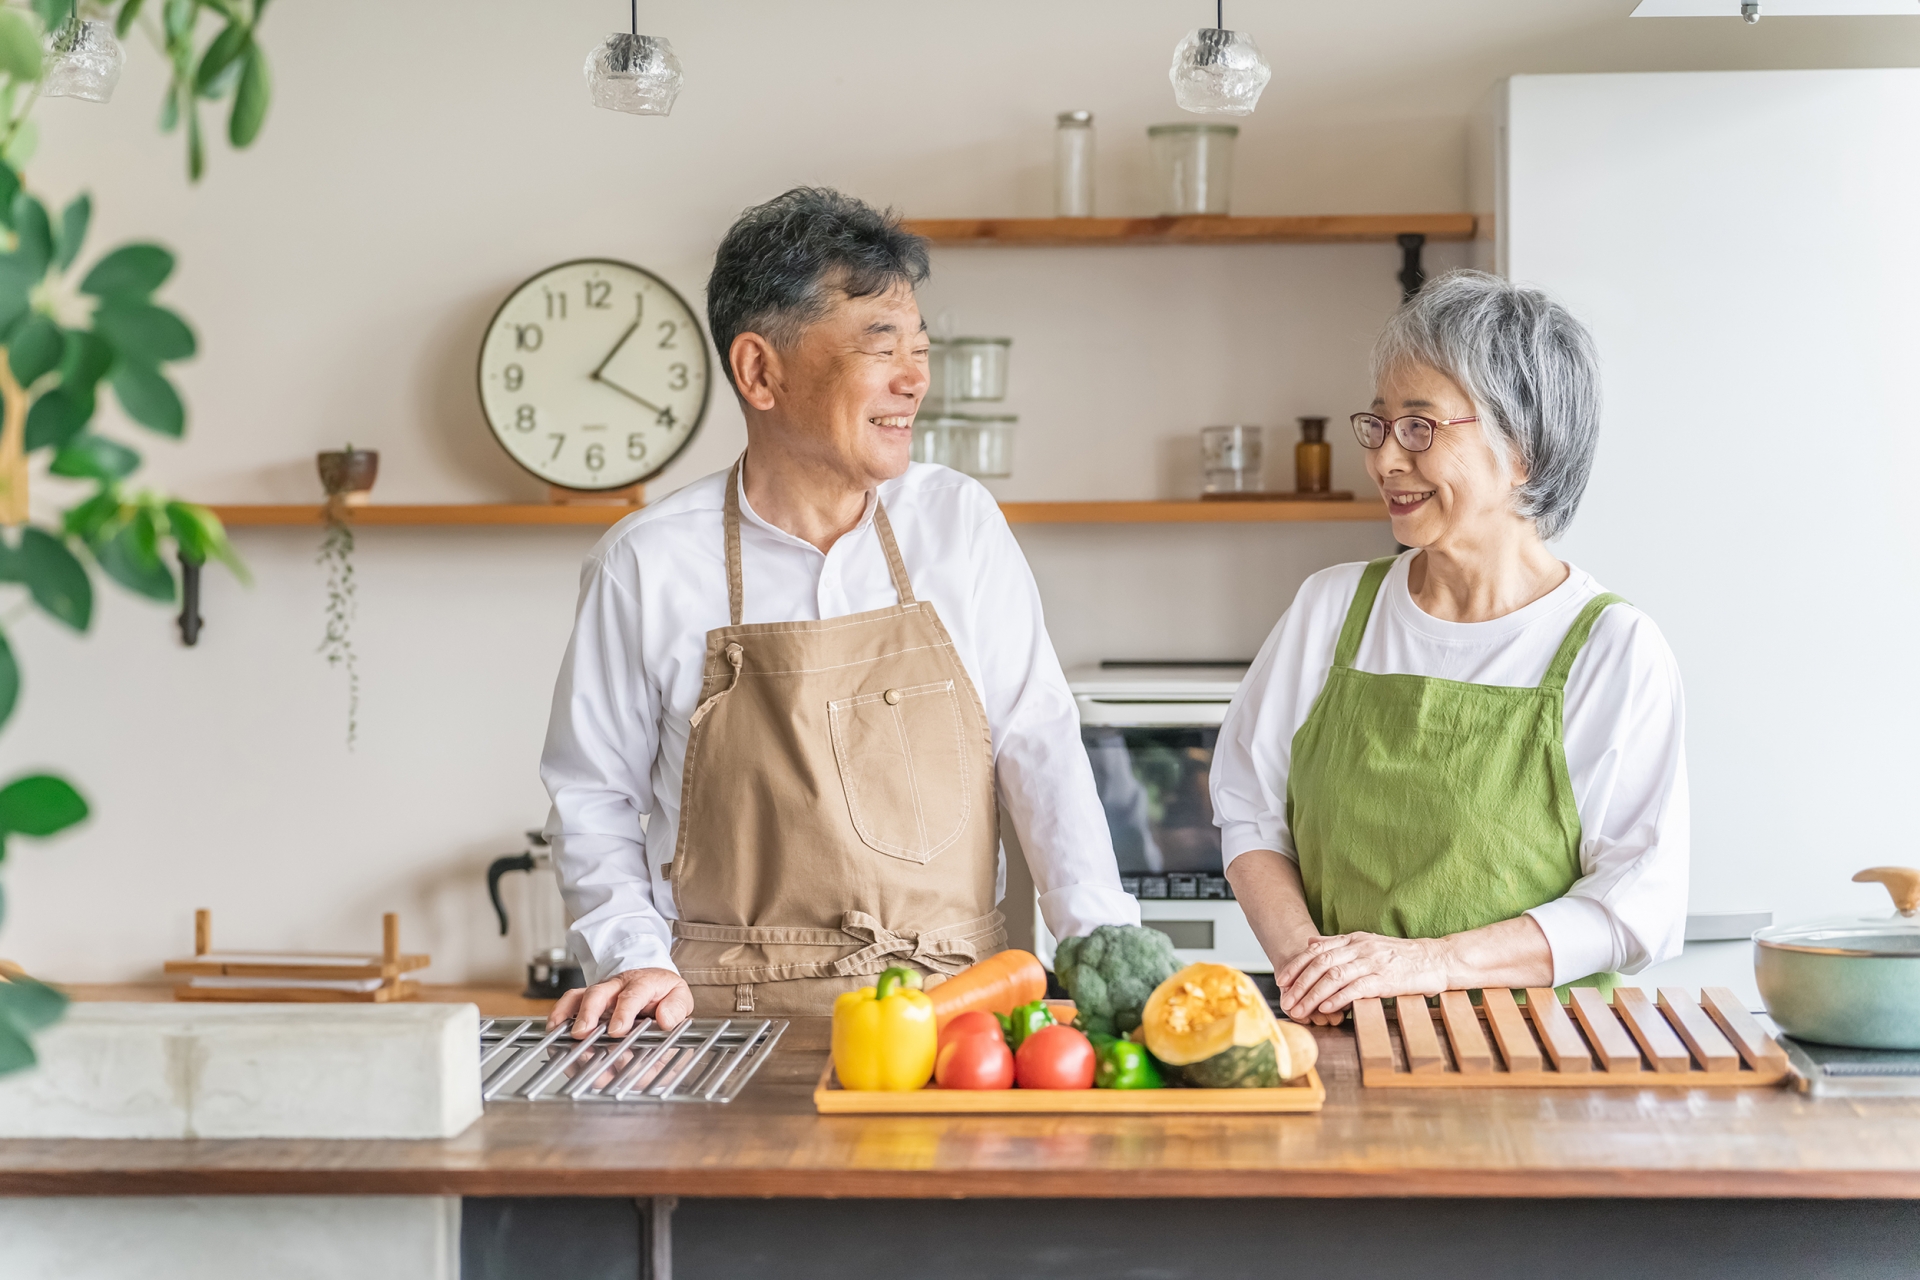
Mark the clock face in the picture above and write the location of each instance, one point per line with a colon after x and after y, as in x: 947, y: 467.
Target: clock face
x: 594, y: 374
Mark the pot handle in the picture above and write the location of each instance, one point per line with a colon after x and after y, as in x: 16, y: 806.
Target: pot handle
x: 1902, y: 882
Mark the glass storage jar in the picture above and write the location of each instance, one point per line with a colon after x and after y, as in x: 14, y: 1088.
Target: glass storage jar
x: 1073, y: 165
x: 968, y: 369
x: 979, y: 445
x: 1193, y: 166
x: 1230, y: 458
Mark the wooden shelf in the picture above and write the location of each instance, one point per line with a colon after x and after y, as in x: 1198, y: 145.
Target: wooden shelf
x: 1216, y: 229
x: 241, y: 516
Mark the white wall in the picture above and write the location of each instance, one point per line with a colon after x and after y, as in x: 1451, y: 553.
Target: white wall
x: 423, y: 158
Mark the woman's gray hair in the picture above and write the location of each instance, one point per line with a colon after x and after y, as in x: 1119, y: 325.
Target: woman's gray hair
x: 1528, y: 366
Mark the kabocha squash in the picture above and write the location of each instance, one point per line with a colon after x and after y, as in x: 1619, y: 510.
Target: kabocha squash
x: 1210, y: 1027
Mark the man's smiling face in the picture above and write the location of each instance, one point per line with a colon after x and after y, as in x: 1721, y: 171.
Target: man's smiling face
x: 850, y: 385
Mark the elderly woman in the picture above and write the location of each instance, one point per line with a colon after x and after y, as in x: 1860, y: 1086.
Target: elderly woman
x: 1461, y: 766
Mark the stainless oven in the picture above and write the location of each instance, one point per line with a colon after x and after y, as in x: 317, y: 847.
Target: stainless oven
x: 1149, y: 731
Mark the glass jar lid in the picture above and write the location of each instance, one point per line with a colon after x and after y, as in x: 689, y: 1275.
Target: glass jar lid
x: 1072, y: 118
x: 968, y: 420
x: 1896, y: 935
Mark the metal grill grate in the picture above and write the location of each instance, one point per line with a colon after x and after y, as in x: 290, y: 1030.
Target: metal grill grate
x: 701, y: 1060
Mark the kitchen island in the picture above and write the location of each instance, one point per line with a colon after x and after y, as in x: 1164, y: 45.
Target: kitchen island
x: 1514, y: 1170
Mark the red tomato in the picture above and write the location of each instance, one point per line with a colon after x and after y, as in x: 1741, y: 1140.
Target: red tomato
x: 974, y: 1062
x: 1054, y: 1058
x: 976, y: 1023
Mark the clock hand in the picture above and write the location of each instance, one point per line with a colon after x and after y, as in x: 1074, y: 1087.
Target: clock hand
x: 595, y: 375
x: 607, y: 382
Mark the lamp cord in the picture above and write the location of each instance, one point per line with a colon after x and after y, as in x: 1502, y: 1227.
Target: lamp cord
x: 633, y: 15
x: 1219, y: 14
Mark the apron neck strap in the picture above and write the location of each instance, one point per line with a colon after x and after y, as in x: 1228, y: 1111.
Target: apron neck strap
x: 1556, y: 677
x: 1360, y: 610
x: 736, y: 592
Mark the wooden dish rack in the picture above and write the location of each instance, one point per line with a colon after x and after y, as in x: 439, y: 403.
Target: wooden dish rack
x: 1632, y: 1041
x: 292, y: 968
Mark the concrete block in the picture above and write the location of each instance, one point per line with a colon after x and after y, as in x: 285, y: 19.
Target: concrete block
x: 231, y: 1238
x: 249, y: 1071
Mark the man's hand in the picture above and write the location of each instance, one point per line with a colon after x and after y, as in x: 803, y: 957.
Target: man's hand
x: 1330, y: 973
x: 623, y: 999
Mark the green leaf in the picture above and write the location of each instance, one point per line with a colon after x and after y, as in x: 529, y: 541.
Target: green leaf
x: 89, y: 520
x: 131, y: 271
x: 149, y: 398
x: 13, y: 302
x: 19, y: 46
x: 58, y: 416
x: 177, y: 18
x: 9, y: 680
x: 55, y: 577
x: 73, y: 230
x: 131, y: 557
x: 170, y: 110
x: 16, y: 1051
x: 35, y: 349
x: 87, y: 361
x: 95, y: 458
x: 143, y: 332
x: 202, y: 537
x: 221, y: 58
x: 39, y: 805
x: 250, y: 101
x: 9, y: 188
x: 54, y: 14
x: 30, y: 1005
x: 35, y: 250
x: 26, y: 141
x: 128, y: 12
x: 196, y: 144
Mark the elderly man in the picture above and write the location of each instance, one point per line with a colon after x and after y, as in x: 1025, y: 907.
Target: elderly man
x: 815, y: 676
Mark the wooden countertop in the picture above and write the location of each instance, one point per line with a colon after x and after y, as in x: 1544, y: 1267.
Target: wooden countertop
x: 1492, y: 1143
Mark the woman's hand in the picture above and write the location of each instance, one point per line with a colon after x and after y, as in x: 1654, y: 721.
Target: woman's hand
x: 1330, y: 973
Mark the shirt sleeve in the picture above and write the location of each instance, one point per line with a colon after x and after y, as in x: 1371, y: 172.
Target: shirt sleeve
x: 1625, y: 725
x: 598, y: 767
x: 1254, y: 753
x: 1040, y: 766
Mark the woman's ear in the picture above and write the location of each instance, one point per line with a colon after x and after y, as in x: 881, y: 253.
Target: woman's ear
x: 756, y: 369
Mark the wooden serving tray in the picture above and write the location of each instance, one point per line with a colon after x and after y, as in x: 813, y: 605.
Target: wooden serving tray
x: 1304, y: 1094
x: 1632, y: 1042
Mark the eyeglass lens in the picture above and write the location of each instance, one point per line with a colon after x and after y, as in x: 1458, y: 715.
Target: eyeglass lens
x: 1415, y: 434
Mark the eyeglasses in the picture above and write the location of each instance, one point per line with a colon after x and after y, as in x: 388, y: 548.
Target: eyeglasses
x: 1415, y: 434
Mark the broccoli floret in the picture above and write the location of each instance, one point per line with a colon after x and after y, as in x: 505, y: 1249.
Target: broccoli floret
x: 1111, y: 972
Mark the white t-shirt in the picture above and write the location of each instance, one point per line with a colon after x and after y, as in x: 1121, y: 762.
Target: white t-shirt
x: 1624, y: 724
x: 657, y: 583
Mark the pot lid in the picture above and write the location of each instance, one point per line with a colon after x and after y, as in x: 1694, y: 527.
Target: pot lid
x: 1895, y: 935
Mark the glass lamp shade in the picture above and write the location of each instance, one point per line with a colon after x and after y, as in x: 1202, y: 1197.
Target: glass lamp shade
x: 635, y: 74
x: 1218, y: 73
x: 83, y: 61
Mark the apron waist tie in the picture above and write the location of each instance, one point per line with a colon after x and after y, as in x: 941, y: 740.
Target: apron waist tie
x: 948, y: 949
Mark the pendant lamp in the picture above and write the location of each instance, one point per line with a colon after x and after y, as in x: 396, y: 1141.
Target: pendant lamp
x: 1217, y: 72
x: 84, y: 60
x: 634, y: 73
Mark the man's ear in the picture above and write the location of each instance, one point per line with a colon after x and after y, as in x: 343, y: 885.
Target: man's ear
x: 756, y: 369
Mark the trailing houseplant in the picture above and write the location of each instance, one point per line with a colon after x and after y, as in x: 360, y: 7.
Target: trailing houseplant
x: 347, y: 476
x: 72, y: 329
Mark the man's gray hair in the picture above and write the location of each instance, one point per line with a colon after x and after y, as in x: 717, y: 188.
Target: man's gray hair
x: 1528, y: 366
x: 779, y: 266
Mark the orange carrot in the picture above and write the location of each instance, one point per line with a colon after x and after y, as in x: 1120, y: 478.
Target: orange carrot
x: 999, y: 984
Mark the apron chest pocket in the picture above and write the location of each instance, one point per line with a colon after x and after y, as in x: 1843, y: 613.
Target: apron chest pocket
x: 903, y: 764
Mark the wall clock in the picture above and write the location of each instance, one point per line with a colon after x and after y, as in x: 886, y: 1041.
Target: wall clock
x: 594, y: 375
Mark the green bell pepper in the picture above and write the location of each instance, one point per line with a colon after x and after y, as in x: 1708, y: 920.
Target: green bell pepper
x: 1023, y: 1022
x: 1122, y: 1064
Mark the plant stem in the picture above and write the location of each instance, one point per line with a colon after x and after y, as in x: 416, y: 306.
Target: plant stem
x: 13, y: 446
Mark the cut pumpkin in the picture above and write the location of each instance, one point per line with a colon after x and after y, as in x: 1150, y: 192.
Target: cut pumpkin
x: 1209, y: 1025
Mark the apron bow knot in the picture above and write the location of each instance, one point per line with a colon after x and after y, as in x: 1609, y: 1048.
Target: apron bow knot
x: 947, y: 950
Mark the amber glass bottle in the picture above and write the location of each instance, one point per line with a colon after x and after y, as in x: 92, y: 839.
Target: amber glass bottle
x: 1313, y: 458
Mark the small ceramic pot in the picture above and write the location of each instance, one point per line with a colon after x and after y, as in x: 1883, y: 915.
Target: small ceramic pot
x: 348, y: 475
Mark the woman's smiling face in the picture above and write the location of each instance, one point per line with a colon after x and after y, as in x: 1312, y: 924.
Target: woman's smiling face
x: 1451, y: 489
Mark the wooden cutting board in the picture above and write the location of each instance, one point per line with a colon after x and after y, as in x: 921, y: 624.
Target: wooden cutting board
x: 1667, y: 1041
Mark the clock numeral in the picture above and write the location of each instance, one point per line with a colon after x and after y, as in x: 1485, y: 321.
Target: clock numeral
x: 668, y: 329
x: 598, y: 293
x: 559, y: 439
x: 678, y: 381
x: 596, y: 457
x: 667, y: 420
x: 636, y: 447
x: 523, y: 418
x: 639, y: 308
x: 553, y: 300
x: 527, y: 337
x: 514, y: 376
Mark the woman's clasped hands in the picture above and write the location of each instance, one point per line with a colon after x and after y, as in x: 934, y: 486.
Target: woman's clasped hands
x: 1331, y: 972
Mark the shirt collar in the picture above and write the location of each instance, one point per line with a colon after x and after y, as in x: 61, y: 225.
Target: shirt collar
x: 750, y: 516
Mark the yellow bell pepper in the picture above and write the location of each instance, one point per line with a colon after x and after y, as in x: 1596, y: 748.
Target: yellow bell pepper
x: 885, y: 1036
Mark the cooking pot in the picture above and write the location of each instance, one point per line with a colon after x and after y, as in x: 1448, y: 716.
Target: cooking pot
x: 1851, y: 980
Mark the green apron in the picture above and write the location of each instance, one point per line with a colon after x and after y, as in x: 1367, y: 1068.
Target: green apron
x: 1422, y: 807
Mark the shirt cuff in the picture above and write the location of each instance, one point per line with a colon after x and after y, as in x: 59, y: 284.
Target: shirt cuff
x: 639, y: 951
x: 1081, y: 908
x: 1237, y: 838
x: 1580, y: 935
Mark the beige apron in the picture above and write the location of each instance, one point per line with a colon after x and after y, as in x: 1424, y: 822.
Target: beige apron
x: 837, y: 810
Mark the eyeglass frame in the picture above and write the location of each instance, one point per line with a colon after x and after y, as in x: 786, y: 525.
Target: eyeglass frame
x: 1393, y: 429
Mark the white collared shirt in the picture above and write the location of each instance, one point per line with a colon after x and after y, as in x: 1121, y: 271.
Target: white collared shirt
x: 657, y: 583
x: 1623, y: 729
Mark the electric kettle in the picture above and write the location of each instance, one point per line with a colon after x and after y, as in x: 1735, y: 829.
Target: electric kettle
x: 550, y: 970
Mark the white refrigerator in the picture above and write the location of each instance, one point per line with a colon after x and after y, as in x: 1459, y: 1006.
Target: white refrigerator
x: 1745, y: 247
